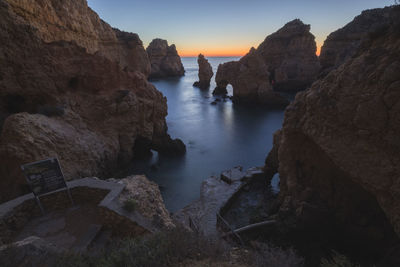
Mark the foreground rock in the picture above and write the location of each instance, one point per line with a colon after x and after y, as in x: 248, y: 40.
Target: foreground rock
x: 285, y: 61
x: 205, y: 73
x: 339, y: 158
x: 148, y: 198
x: 249, y: 78
x: 59, y: 100
x: 343, y: 44
x: 164, y: 59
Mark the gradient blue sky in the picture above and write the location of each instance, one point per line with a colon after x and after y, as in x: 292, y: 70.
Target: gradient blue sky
x: 225, y: 27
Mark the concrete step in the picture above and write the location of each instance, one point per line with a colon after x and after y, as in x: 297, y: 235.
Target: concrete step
x: 83, y: 243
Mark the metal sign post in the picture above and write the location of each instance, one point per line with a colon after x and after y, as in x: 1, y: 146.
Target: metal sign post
x: 45, y: 177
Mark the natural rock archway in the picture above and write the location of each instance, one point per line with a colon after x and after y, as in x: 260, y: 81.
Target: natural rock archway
x: 249, y: 78
x: 285, y: 61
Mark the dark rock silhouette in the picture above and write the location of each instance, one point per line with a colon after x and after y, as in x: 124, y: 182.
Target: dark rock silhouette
x: 343, y: 44
x: 249, y: 78
x: 290, y: 55
x: 164, y: 59
x: 205, y: 73
x: 339, y: 152
x: 285, y: 61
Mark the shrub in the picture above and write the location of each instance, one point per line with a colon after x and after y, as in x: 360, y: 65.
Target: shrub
x: 338, y: 260
x: 161, y: 249
x: 130, y: 205
x: 269, y: 256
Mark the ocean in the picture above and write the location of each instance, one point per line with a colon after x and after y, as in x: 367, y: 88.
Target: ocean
x: 217, y: 137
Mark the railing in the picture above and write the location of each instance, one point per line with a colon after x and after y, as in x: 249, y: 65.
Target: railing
x: 221, y: 219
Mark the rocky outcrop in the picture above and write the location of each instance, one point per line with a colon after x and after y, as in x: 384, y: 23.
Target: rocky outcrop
x: 249, y: 78
x: 60, y: 100
x: 164, y: 59
x: 339, y: 152
x: 148, y: 198
x: 290, y: 55
x: 285, y: 61
x: 74, y: 21
x: 343, y: 44
x: 272, y: 161
x: 215, y: 194
x: 205, y: 73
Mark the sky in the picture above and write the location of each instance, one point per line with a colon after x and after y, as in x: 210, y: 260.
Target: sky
x: 226, y: 27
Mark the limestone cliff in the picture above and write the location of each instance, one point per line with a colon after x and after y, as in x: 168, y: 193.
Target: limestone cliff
x: 164, y: 59
x: 249, y: 78
x: 58, y: 99
x: 339, y: 151
x: 290, y: 55
x: 74, y: 21
x: 343, y: 44
x: 205, y: 73
x: 285, y: 61
x: 148, y: 199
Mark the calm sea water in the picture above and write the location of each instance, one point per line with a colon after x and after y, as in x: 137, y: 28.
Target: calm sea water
x: 217, y: 137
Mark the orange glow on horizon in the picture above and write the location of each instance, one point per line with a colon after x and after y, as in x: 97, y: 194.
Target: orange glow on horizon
x: 318, y: 50
x: 222, y: 52
x: 214, y: 53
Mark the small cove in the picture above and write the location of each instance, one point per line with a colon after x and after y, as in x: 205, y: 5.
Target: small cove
x: 217, y: 137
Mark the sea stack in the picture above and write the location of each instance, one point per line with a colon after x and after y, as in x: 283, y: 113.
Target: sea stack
x: 164, y: 59
x: 250, y: 80
x: 286, y: 61
x: 66, y: 94
x: 205, y: 73
x: 339, y: 159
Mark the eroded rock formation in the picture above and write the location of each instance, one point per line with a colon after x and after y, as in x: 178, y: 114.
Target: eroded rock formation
x: 75, y: 21
x: 250, y: 80
x: 205, y: 73
x: 342, y: 44
x: 290, y: 54
x: 164, y: 59
x: 148, y: 199
x: 285, y: 61
x: 339, y: 151
x: 62, y: 99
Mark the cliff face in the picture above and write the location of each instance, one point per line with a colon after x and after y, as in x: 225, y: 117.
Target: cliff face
x: 59, y: 100
x: 343, y: 44
x: 285, y: 61
x: 74, y: 21
x: 339, y: 151
x: 290, y: 56
x: 165, y: 61
x: 249, y: 78
x: 205, y: 73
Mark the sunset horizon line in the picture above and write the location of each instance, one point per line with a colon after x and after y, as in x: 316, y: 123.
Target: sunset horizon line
x: 318, y: 52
